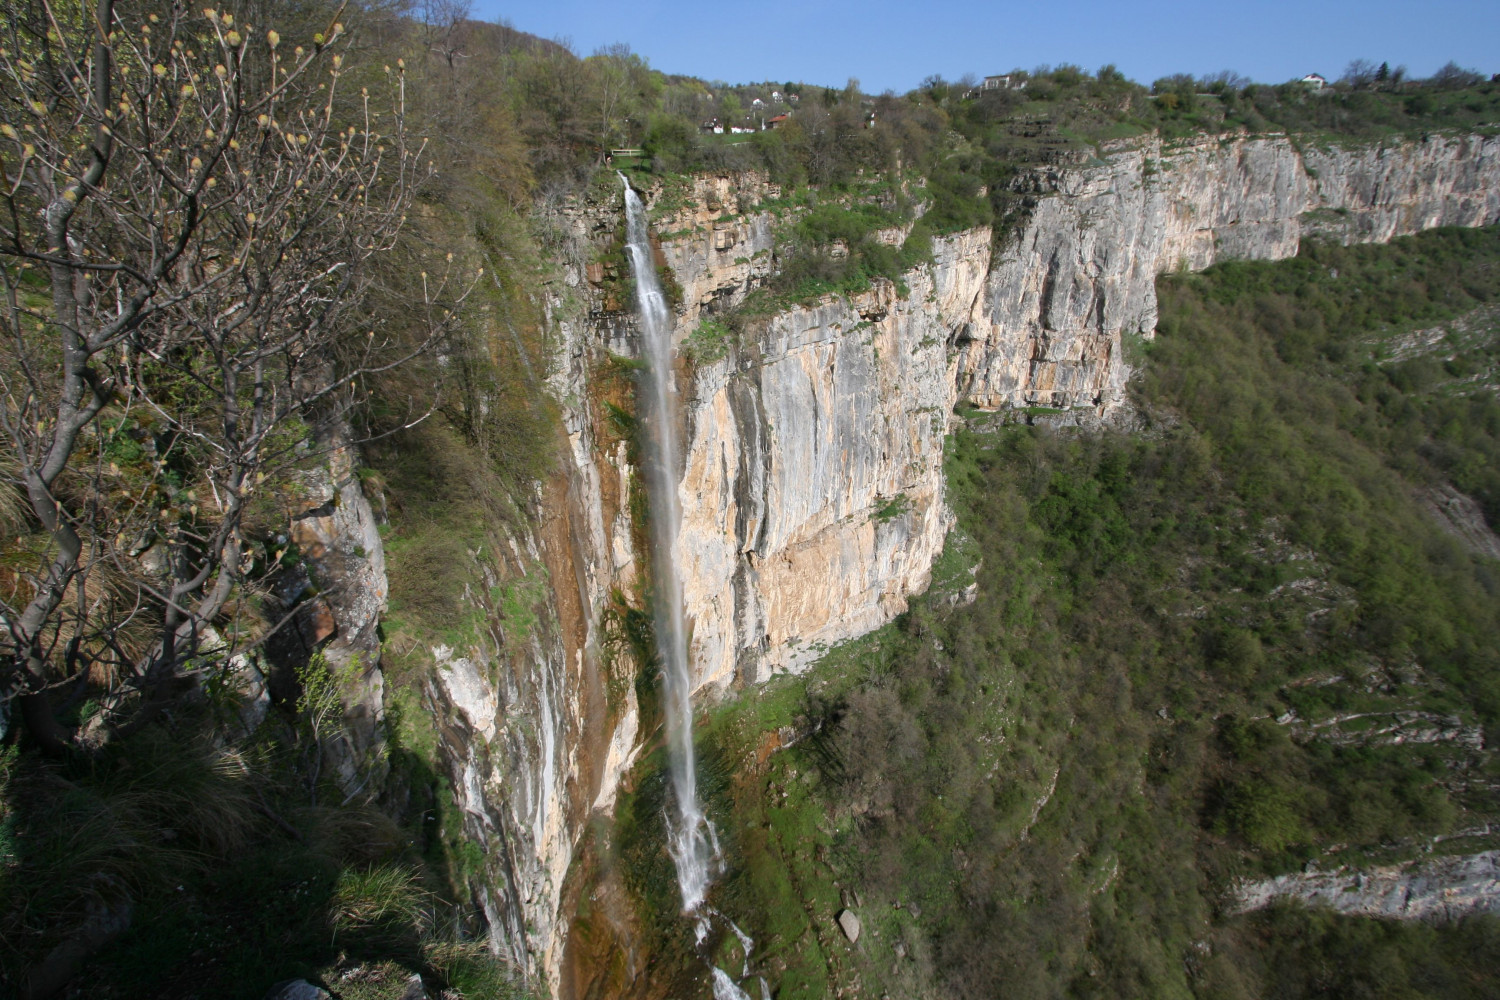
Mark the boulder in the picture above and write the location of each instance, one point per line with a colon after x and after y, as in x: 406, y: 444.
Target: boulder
x: 849, y: 924
x: 297, y: 989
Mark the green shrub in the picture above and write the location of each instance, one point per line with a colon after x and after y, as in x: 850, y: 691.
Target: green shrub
x: 709, y: 342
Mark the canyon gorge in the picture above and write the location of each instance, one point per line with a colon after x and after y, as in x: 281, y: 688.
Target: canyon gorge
x: 812, y: 482
x: 483, y: 520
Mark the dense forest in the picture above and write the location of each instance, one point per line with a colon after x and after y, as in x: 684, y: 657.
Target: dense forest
x: 239, y: 242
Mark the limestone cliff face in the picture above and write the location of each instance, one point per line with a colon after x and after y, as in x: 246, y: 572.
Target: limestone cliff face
x: 812, y: 484
x: 717, y: 243
x: 340, y: 543
x: 521, y: 720
x: 820, y: 443
x: 535, y: 735
x: 1079, y: 277
x: 1377, y: 193
x: 1439, y: 889
x: 334, y: 595
x: 533, y: 732
x: 813, y: 493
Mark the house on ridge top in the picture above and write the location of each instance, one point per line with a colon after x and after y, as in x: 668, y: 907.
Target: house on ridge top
x: 1003, y: 81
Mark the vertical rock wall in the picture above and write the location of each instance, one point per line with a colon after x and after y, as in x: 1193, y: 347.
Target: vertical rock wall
x: 1080, y: 276
x: 812, y: 486
x: 340, y: 542
x: 813, y: 491
x: 536, y: 734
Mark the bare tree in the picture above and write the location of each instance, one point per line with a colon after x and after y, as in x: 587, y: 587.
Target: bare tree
x: 1452, y: 76
x: 1360, y: 73
x: 187, y: 206
x: 1224, y: 80
x: 440, y: 22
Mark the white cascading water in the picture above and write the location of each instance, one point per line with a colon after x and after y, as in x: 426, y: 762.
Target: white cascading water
x: 691, y: 838
x: 725, y: 988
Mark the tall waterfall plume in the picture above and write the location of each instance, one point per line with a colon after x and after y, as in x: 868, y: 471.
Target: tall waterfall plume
x: 690, y: 836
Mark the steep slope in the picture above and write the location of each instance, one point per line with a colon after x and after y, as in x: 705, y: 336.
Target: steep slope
x: 813, y: 488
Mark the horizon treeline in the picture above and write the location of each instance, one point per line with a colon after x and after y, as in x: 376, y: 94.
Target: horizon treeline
x: 570, y: 112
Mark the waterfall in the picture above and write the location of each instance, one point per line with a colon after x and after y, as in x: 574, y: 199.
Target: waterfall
x: 690, y: 837
x: 725, y: 987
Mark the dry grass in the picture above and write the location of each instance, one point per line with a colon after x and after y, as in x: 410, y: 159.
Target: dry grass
x: 389, y: 895
x: 14, y: 510
x: 352, y: 834
x: 128, y: 827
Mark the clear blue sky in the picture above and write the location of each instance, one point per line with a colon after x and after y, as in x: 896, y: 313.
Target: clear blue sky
x: 893, y: 44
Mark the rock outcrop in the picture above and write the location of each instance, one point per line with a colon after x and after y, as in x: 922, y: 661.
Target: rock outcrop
x: 334, y: 594
x: 1461, y: 516
x: 344, y: 559
x: 1079, y: 278
x: 812, y: 496
x: 718, y: 244
x: 848, y: 922
x: 1438, y: 889
x: 1063, y: 292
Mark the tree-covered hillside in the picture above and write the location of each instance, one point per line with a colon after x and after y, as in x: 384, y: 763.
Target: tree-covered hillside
x: 1202, y: 651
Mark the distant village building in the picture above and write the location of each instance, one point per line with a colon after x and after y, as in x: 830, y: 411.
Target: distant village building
x: 713, y: 125
x: 1314, y: 81
x: 777, y: 122
x: 1004, y: 81
x: 870, y: 120
x: 757, y: 103
x: 777, y: 97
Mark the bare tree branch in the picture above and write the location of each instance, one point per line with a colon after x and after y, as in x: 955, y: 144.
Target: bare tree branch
x: 188, y: 209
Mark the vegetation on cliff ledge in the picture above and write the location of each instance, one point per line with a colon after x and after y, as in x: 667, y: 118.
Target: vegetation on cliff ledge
x: 1168, y: 677
x: 239, y: 242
